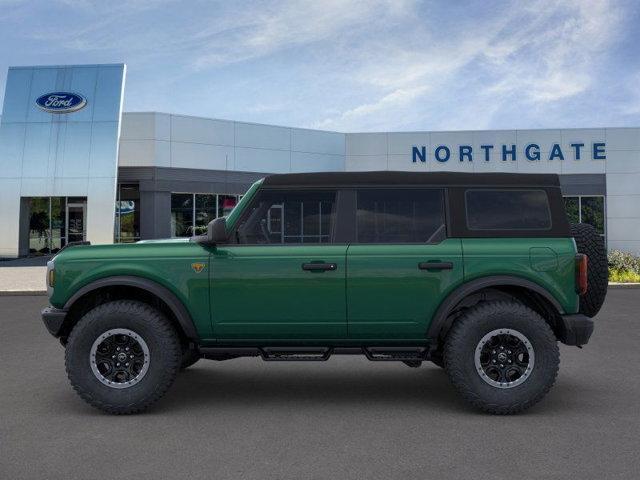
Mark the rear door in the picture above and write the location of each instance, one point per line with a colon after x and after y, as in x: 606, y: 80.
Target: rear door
x: 284, y: 278
x: 401, y: 264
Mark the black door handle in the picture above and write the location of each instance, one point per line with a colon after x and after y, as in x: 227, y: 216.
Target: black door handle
x: 435, y: 265
x: 319, y: 267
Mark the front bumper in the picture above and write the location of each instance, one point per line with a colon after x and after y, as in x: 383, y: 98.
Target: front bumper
x: 575, y: 329
x: 53, y: 319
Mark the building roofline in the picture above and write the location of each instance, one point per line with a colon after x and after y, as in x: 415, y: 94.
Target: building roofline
x: 84, y: 65
x: 387, y: 178
x: 233, y: 121
x: 376, y: 132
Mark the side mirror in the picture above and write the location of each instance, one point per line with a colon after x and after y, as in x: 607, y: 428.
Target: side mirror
x: 217, y: 231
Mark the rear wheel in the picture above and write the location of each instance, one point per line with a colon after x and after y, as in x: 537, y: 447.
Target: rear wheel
x: 437, y: 359
x: 589, y: 242
x: 122, y: 356
x: 502, y: 357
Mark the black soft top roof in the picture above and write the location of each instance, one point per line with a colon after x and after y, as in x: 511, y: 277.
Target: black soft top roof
x: 413, y: 178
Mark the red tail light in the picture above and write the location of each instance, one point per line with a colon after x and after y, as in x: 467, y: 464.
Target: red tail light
x: 581, y: 274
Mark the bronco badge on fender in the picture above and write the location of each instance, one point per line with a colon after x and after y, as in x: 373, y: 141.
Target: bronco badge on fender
x: 198, y: 267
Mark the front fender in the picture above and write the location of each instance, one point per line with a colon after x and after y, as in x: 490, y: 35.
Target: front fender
x: 175, y: 305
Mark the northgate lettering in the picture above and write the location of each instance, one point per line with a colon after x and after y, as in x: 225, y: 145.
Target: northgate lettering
x: 531, y: 152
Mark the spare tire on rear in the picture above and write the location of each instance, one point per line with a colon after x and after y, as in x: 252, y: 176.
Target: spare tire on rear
x: 589, y: 242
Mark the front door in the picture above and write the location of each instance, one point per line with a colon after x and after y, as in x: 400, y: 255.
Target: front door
x: 282, y: 278
x: 401, y: 265
x: 76, y: 216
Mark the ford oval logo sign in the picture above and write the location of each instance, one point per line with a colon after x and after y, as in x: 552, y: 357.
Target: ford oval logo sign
x: 61, y: 102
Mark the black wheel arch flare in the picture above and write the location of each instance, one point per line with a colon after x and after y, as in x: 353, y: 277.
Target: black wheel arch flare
x: 176, y: 306
x: 440, y: 318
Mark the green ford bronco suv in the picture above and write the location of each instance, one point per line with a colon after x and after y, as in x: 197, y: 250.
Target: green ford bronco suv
x: 480, y: 274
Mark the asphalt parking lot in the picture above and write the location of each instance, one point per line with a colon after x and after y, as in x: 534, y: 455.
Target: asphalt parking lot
x: 345, y: 418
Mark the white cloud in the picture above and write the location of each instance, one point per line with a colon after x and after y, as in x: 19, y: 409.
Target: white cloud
x: 398, y: 98
x: 282, y: 25
x: 530, y: 54
x: 551, y: 56
x: 347, y: 64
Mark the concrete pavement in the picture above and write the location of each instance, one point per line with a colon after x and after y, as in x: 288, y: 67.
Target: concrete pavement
x: 23, y: 276
x: 346, y: 418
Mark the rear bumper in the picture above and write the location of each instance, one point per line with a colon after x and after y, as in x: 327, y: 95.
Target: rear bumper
x: 53, y: 319
x: 575, y: 330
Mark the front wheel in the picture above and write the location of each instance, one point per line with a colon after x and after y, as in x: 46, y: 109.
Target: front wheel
x: 502, y: 357
x: 122, y: 356
x: 189, y: 357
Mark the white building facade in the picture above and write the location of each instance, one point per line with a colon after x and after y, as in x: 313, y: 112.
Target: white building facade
x: 175, y: 173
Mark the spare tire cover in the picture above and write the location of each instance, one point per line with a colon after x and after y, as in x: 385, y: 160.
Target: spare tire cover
x: 591, y: 244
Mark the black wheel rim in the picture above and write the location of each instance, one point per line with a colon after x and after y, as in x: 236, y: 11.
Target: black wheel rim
x: 504, y: 358
x: 119, y: 358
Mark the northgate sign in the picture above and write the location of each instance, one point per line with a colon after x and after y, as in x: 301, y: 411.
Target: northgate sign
x: 531, y: 152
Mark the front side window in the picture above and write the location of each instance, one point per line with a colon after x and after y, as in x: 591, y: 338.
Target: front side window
x: 507, y: 210
x: 288, y: 217
x: 400, y: 216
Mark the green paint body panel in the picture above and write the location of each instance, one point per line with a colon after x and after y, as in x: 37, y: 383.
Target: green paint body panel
x: 548, y: 262
x: 389, y: 297
x: 261, y: 294
x: 167, y: 263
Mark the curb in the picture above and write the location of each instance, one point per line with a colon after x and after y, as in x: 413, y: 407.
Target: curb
x: 624, y: 285
x: 23, y: 293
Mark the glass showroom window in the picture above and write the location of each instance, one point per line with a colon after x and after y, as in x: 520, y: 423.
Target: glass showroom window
x: 39, y: 225
x: 55, y: 221
x: 191, y: 212
x: 127, y: 228
x: 586, y: 209
x: 205, y: 211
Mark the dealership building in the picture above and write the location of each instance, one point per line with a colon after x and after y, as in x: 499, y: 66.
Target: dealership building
x: 74, y: 167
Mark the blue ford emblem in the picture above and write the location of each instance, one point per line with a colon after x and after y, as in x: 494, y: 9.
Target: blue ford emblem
x: 61, y: 102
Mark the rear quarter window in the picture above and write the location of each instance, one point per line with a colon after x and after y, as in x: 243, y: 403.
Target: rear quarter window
x: 507, y: 209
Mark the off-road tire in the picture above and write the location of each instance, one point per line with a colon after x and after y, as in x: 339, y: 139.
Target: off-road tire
x: 464, y: 337
x: 164, y: 356
x: 591, y: 244
x: 190, y: 356
x: 437, y: 359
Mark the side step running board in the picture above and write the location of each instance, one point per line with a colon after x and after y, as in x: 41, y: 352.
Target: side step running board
x: 317, y: 354
x: 295, y: 354
x: 396, y: 354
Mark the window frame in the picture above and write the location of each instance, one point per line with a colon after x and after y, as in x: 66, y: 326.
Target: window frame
x: 445, y: 213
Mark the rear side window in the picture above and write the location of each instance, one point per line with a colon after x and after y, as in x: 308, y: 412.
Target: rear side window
x: 400, y: 216
x: 489, y: 209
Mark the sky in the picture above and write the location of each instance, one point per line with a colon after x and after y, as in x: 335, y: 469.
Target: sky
x: 351, y: 65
